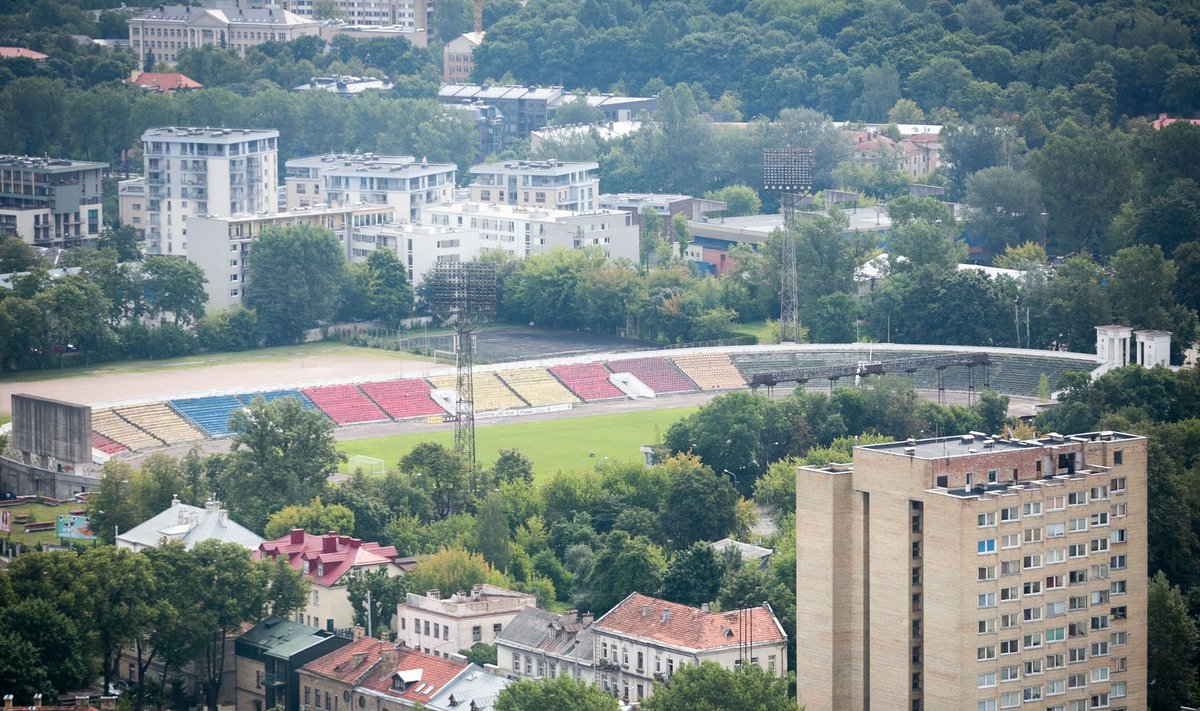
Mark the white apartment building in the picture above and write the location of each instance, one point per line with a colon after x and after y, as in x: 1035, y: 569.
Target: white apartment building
x: 131, y: 203
x: 402, y: 182
x: 160, y: 33
x: 458, y: 57
x: 205, y: 171
x: 522, y: 231
x: 220, y: 245
x: 563, y: 185
x: 407, y: 14
x: 442, y: 627
x: 419, y: 247
x: 51, y: 202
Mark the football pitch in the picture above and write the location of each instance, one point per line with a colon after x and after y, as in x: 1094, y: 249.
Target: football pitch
x: 563, y: 443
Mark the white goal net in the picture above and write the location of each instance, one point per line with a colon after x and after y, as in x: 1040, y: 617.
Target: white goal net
x: 369, y: 465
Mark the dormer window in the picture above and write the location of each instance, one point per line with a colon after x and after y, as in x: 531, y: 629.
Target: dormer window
x: 307, y: 566
x: 320, y: 570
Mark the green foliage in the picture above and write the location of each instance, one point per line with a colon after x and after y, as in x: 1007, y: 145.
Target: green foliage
x: 315, y: 517
x: 562, y: 693
x: 491, y: 531
x: 1172, y: 640
x: 453, y: 569
x: 386, y: 592
x: 231, y: 329
x: 711, y: 687
x: 623, y: 565
x: 292, y: 280
x: 480, y: 653
x: 739, y: 200
x: 693, y: 576
x: 442, y: 474
x: 699, y: 505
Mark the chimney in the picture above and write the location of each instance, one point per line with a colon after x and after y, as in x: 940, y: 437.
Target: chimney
x: 704, y: 607
x: 434, y: 594
x: 389, y: 659
x: 477, y: 590
x: 478, y: 24
x: 587, y: 618
x: 357, y: 631
x: 8, y: 701
x: 82, y: 703
x: 174, y: 500
x: 329, y: 543
x: 37, y: 701
x: 108, y: 703
x: 296, y: 535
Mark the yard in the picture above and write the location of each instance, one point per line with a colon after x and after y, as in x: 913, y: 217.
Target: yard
x: 38, y: 513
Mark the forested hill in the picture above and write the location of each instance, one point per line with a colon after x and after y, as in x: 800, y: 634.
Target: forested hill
x: 855, y: 59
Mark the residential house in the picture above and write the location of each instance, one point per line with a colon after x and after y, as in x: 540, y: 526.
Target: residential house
x: 643, y: 640
x: 372, y: 675
x: 538, y: 644
x: 748, y: 552
x: 131, y: 203
x: 403, y: 182
x: 188, y: 525
x: 471, y: 690
x: 457, y: 57
x: 163, y: 82
x: 268, y: 658
x: 23, y: 53
x: 345, y: 86
x: 51, y: 202
x: 562, y: 185
x: 327, y: 561
x: 160, y: 33
x: 442, y: 627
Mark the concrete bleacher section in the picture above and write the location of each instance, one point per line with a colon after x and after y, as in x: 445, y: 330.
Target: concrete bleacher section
x: 106, y: 445
x: 710, y: 371
x: 112, y: 426
x: 537, y: 387
x: 402, y: 399
x: 161, y: 421
x: 656, y: 372
x: 345, y: 404
x: 490, y: 392
x: 210, y: 413
x: 269, y: 395
x: 589, y: 381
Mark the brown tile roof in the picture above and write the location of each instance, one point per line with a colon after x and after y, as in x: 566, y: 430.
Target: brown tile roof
x: 164, y: 81
x: 330, y: 556
x: 363, y: 665
x: 15, y: 52
x: 671, y: 623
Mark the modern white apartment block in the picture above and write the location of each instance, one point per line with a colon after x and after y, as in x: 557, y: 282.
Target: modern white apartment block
x: 402, y: 182
x: 975, y: 573
x: 562, y: 185
x: 205, y: 171
x: 418, y: 246
x: 522, y: 231
x: 221, y: 245
x: 443, y: 627
x: 51, y: 202
x: 407, y: 14
x: 131, y: 203
x: 160, y: 33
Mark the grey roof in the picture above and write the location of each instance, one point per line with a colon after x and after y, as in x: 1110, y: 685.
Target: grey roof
x: 253, y: 16
x: 190, y: 525
x: 38, y: 164
x: 472, y: 684
x: 749, y: 551
x: 275, y: 632
x: 558, y: 635
x: 288, y: 649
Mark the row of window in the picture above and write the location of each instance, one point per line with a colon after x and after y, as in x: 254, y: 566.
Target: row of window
x: 987, y: 546
x: 1033, y: 509
x: 1013, y: 699
x: 1075, y: 655
x: 1034, y: 668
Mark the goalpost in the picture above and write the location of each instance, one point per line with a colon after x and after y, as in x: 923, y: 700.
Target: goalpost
x: 369, y: 465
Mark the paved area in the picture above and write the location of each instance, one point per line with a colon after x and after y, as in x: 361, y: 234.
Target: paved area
x: 504, y: 345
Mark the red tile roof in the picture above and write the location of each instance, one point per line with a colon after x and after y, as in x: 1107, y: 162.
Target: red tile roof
x: 364, y: 665
x: 1163, y: 121
x: 329, y: 556
x: 642, y: 616
x: 164, y: 81
x: 15, y: 52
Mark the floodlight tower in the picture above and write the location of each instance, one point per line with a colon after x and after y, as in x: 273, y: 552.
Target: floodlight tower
x: 464, y: 296
x: 788, y: 171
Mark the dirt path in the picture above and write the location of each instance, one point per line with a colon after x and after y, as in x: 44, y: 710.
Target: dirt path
x: 255, y: 372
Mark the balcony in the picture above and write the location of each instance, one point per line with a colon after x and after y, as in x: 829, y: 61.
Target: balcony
x: 607, y: 665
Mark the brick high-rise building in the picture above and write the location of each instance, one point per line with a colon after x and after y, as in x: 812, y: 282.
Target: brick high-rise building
x: 974, y: 573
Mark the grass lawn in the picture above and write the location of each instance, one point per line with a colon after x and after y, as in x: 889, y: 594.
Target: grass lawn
x: 567, y: 443
x: 757, y: 328
x: 39, y: 513
x: 256, y: 355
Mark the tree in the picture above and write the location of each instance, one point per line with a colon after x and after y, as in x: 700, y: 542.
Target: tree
x: 315, y: 518
x: 55, y: 637
x: 622, y: 566
x: 111, y: 507
x: 15, y: 254
x: 993, y: 410
x: 681, y: 234
x: 453, y: 569
x: 1024, y: 257
x: 562, y: 693
x: 491, y: 531
x: 711, y: 687
x: 650, y: 239
x: 512, y: 466
x: 440, y: 472
x: 1084, y: 180
x: 174, y: 285
x: 281, y: 454
x: 389, y: 294
x: 386, y: 592
x: 739, y: 200
x: 1172, y: 642
x: 293, y: 278
x: 693, y: 576
x: 23, y: 677
x: 699, y: 505
x: 116, y: 593
x: 1004, y: 208
x: 481, y: 654
x: 576, y: 111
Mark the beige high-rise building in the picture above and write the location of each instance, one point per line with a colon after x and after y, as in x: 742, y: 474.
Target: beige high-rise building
x: 972, y: 573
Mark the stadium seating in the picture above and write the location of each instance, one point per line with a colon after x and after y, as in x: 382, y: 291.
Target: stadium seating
x: 490, y: 392
x: 114, y: 427
x: 246, y: 398
x: 589, y: 381
x: 402, y: 399
x: 710, y: 371
x: 345, y: 404
x: 537, y: 387
x: 655, y: 372
x: 210, y: 414
x: 161, y: 421
x: 106, y: 445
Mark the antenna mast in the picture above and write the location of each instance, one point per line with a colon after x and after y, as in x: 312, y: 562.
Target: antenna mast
x: 788, y: 171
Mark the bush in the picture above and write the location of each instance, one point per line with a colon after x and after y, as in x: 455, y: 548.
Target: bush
x: 171, y: 341
x: 232, y: 329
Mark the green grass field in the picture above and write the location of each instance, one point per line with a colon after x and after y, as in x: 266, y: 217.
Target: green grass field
x: 39, y: 513
x: 568, y: 443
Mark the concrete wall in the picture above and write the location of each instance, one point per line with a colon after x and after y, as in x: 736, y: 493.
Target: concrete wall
x: 48, y: 428
x: 27, y: 479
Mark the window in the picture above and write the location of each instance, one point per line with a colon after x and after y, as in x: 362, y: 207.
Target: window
x: 1054, y: 661
x: 1116, y: 587
x: 1055, y: 634
x: 1099, y: 493
x: 987, y: 626
x: 1032, y: 587
x: 1118, y: 484
x: 1077, y: 681
x: 1054, y: 687
x: 517, y: 660
x: 1009, y: 646
x: 1011, y: 673
x: 986, y: 519
x: 1118, y: 613
x: 1117, y: 691
x: 1054, y: 582
x: 1100, y: 701
x: 1119, y: 510
x: 1099, y: 597
x: 1032, y: 508
x: 1099, y: 622
x: 1056, y: 503
x: 985, y: 653
x: 1056, y: 609
x: 1118, y: 457
x: 986, y: 600
x: 1010, y: 567
x: 1033, y: 535
x: 1117, y: 639
x: 1076, y: 602
x: 1056, y: 555
x: 1056, y: 530
x: 987, y: 572
x: 496, y: 628
x: 1009, y: 620
x: 1077, y: 550
x: 1076, y: 525
x: 985, y: 705
x: 1100, y: 571
x: 1031, y: 693
x: 1100, y: 649
x: 1010, y: 540
x: 1077, y: 498
x: 1032, y: 561
x: 1010, y: 700
x: 476, y: 634
x: 1032, y: 614
x: 1011, y: 513
x: 1033, y: 667
x: 1077, y: 655
x: 1076, y: 630
x: 1116, y: 562
x: 1033, y: 640
x: 985, y: 679
x: 1077, y: 577
x: 1117, y: 536
x: 1099, y: 519
x: 1010, y: 594
x: 985, y: 546
x: 916, y: 550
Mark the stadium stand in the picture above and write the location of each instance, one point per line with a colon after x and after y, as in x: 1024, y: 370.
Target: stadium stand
x: 161, y: 421
x: 490, y: 392
x: 537, y: 387
x: 210, y: 414
x: 710, y: 371
x: 589, y: 381
x: 655, y: 372
x: 106, y: 445
x: 269, y: 395
x: 345, y: 404
x: 401, y: 399
x: 112, y: 426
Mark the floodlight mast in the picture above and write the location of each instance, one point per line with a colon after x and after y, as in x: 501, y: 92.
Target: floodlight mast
x: 788, y: 171
x: 464, y: 297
